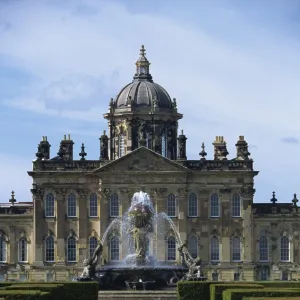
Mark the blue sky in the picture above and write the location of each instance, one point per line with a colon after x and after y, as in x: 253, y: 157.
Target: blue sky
x: 234, y: 67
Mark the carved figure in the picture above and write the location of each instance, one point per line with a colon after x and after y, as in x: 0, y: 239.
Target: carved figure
x: 194, y: 265
x: 90, y: 264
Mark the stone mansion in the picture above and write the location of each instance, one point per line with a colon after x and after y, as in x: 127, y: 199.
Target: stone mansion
x: 209, y: 200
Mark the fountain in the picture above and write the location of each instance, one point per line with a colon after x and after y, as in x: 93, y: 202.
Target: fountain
x: 140, y: 268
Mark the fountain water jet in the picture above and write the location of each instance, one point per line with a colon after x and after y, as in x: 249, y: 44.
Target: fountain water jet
x: 140, y: 267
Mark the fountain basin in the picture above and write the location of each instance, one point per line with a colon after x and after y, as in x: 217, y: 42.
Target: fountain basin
x: 113, y: 277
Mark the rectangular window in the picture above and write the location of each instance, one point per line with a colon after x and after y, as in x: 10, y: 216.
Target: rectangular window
x: 236, y: 276
x: 264, y: 274
x: 215, y: 277
x: 22, y: 250
x: 236, y: 206
x: 93, y: 206
x: 285, y: 276
x: 171, y: 206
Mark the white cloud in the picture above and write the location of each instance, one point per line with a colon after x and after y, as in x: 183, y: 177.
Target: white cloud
x: 222, y: 87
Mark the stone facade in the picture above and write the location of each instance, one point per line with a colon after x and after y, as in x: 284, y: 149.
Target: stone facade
x: 209, y: 201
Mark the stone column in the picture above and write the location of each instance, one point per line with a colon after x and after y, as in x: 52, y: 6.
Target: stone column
x: 83, y: 228
x: 225, y: 249
x: 38, y: 226
x: 248, y: 255
x: 13, y: 246
x: 61, y: 225
x: 162, y: 229
x: 182, y: 205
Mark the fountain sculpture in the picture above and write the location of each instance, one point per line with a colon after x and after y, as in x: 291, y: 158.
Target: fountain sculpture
x: 140, y: 269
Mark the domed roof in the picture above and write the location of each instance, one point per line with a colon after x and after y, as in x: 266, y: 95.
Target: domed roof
x: 142, y: 91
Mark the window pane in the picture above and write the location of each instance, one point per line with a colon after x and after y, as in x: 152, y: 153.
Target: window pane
x: 50, y: 249
x: 164, y: 145
x: 93, y: 206
x: 214, y: 248
x: 236, y: 249
x: 2, y: 250
x: 193, y: 246
x: 284, y: 249
x: 121, y: 145
x: 93, y: 244
x: 114, y: 248
x: 236, y: 206
x: 71, y: 205
x: 214, y: 205
x: 22, y: 250
x: 171, y: 248
x: 193, y: 205
x: 171, y: 206
x: 114, y: 205
x: 49, y: 205
x: 71, y: 249
x: 263, y: 249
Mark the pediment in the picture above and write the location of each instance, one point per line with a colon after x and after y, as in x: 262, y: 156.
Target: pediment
x: 142, y: 160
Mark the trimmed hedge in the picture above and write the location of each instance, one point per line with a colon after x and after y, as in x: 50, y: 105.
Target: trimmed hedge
x: 55, y: 290
x: 239, y: 294
x: 187, y: 290
x: 73, y: 290
x: 273, y: 298
x: 80, y: 290
x: 216, y: 289
x: 24, y: 295
x: 279, y: 284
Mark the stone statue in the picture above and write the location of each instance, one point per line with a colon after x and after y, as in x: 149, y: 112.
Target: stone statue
x: 194, y: 265
x: 139, y: 242
x: 90, y: 264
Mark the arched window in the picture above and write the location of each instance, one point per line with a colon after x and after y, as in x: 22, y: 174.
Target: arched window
x: 93, y: 205
x: 193, y: 246
x: 236, y: 205
x: 171, y: 248
x: 193, y: 205
x: 49, y: 205
x: 121, y: 145
x: 149, y: 140
x: 114, y: 205
x: 164, y: 146
x: 114, y: 248
x: 71, y: 205
x: 71, y: 249
x: 236, y: 249
x: 22, y: 249
x: 92, y: 245
x: 171, y: 205
x: 214, y: 206
x: 263, y: 249
x: 49, y: 249
x: 284, y: 248
x: 3, y: 249
x: 214, y: 249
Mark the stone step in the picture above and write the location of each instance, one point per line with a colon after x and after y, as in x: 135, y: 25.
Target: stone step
x: 138, y: 295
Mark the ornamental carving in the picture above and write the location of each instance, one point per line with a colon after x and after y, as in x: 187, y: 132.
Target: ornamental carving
x: 144, y: 163
x: 61, y: 191
x: 82, y: 192
x: 182, y: 192
x: 38, y: 192
x: 163, y: 191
